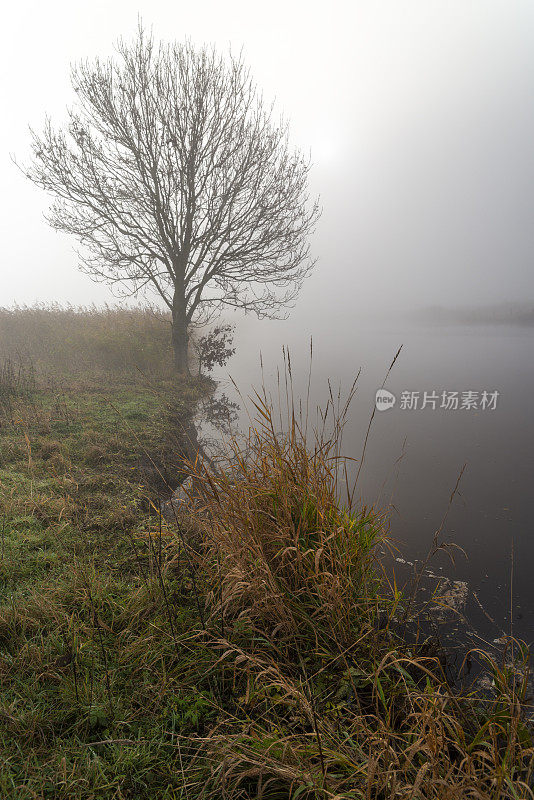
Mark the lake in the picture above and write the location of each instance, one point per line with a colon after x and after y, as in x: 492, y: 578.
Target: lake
x: 414, y: 455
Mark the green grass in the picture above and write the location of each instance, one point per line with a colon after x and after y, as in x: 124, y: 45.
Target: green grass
x: 86, y: 649
x: 252, y: 646
x: 87, y: 652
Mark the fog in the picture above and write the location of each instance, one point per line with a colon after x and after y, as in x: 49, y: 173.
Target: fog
x: 419, y: 118
x: 167, y: 578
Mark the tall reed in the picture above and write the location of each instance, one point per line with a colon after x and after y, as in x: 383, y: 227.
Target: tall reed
x: 326, y: 698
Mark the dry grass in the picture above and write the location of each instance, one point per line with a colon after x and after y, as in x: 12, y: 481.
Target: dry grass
x: 250, y: 648
x: 328, y: 698
x: 87, y: 343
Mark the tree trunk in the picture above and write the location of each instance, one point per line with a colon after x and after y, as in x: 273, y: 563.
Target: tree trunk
x: 179, y: 336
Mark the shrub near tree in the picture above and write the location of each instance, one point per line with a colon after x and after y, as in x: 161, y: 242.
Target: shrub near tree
x: 215, y: 348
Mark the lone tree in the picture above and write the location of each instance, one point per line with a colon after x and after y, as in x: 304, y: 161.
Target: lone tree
x: 172, y: 175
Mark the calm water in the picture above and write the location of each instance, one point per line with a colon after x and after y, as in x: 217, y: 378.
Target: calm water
x: 492, y: 516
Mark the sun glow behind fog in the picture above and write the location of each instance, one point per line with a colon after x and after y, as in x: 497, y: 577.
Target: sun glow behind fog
x: 326, y: 146
x: 417, y: 118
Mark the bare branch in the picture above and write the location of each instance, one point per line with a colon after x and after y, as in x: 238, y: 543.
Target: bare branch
x: 173, y: 175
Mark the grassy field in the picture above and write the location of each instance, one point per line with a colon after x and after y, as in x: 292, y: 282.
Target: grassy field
x: 248, y: 646
x: 88, y: 445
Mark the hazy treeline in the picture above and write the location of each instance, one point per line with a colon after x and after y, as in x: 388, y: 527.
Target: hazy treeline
x: 501, y: 314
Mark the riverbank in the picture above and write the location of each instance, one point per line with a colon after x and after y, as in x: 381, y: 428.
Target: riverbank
x: 248, y: 645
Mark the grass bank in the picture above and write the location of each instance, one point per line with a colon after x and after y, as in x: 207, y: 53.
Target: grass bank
x: 91, y: 438
x: 249, y: 645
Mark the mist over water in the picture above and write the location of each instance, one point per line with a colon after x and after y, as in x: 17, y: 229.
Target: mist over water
x: 414, y: 457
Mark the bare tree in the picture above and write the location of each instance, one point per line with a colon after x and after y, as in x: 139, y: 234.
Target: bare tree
x: 172, y: 175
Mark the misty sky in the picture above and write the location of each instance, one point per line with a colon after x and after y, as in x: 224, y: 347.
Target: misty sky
x: 419, y: 117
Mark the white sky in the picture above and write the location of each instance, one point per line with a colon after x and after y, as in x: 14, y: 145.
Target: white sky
x: 419, y: 116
